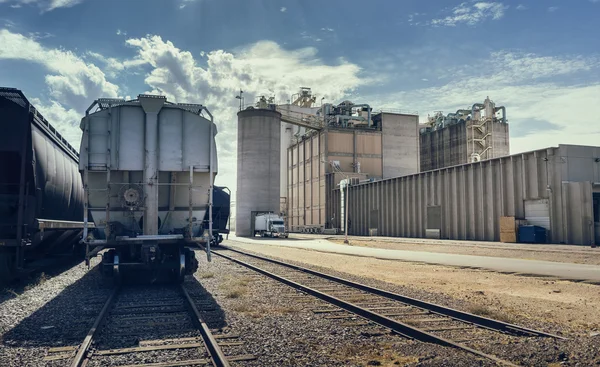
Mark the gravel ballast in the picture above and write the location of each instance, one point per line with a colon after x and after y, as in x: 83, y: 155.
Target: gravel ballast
x: 281, y: 329
x: 275, y: 323
x: 580, y: 349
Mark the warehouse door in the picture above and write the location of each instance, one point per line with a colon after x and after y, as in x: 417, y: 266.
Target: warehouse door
x: 537, y: 212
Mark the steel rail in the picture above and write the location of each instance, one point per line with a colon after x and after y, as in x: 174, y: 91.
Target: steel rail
x: 396, y: 326
x: 87, y: 342
x: 216, y: 354
x: 441, y: 310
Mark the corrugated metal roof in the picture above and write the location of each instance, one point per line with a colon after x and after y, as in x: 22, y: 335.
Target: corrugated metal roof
x: 14, y: 95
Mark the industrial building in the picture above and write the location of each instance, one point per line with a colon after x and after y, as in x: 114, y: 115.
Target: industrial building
x: 386, y: 148
x: 315, y: 148
x: 450, y: 178
x: 555, y: 188
x: 469, y: 135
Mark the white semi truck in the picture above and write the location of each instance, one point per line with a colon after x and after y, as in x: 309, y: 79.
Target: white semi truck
x: 269, y: 225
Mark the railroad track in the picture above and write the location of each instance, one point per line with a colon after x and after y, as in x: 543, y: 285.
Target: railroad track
x: 129, y: 332
x: 409, y: 317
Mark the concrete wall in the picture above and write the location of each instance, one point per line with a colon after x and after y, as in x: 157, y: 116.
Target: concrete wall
x: 443, y: 148
x: 349, y: 146
x: 400, y: 140
x: 472, y: 197
x: 258, y: 165
x: 287, y: 136
x: 452, y: 145
x: 311, y: 182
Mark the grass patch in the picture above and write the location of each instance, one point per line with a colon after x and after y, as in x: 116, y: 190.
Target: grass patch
x: 235, y: 292
x: 489, y: 313
x: 242, y: 307
x: 380, y: 357
x: 235, y: 287
x: 206, y: 275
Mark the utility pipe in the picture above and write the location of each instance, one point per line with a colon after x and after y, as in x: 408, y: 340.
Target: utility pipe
x: 476, y: 105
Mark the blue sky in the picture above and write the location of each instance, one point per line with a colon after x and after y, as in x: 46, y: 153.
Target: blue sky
x: 540, y: 59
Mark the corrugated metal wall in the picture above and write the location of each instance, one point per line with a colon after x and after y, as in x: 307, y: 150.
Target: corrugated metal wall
x: 466, y: 201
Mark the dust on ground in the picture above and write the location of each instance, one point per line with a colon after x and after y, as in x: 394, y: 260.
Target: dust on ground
x: 574, y: 254
x: 515, y: 298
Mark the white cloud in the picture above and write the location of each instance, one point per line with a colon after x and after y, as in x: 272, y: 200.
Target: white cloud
x: 541, y: 112
x: 283, y: 9
x: 72, y: 81
x: 260, y: 68
x: 552, y: 9
x: 65, y: 120
x: 471, y: 14
x: 327, y: 29
x: 121, y: 33
x: 522, y: 7
x: 184, y: 3
x: 45, y: 5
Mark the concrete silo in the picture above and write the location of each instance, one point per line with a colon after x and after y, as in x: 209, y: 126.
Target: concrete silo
x: 258, y: 166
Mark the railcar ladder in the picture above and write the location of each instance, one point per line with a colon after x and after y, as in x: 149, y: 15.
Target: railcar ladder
x: 107, y: 171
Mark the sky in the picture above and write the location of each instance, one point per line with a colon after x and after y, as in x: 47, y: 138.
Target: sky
x: 539, y: 58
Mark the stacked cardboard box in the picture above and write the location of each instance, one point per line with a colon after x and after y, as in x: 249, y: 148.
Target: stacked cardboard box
x: 509, y: 227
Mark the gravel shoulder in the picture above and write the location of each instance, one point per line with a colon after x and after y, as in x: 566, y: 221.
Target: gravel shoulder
x: 53, y: 312
x: 555, y: 306
x: 555, y: 253
x: 278, y: 325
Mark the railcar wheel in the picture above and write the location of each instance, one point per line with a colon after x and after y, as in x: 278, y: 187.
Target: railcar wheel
x: 116, y: 270
x: 182, y: 267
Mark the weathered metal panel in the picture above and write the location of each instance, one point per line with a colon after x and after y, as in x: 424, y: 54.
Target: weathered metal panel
x: 131, y: 137
x: 473, y: 197
x: 537, y: 212
x: 578, y: 207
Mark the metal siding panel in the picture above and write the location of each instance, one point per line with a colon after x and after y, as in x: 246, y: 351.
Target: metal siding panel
x: 98, y: 140
x: 131, y: 139
x: 537, y: 212
x: 471, y: 228
x: 463, y: 203
x: 395, y: 208
x: 197, y: 128
x: 455, y: 193
x: 171, y: 136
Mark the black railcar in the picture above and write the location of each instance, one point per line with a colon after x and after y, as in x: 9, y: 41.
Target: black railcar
x: 41, y: 192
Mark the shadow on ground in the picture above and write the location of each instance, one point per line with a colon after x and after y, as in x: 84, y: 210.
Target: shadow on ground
x: 49, y: 268
x: 67, y: 318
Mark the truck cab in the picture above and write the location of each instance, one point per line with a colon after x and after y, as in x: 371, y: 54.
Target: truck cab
x: 269, y: 225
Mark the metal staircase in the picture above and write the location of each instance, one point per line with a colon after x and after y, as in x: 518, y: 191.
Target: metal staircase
x: 481, y: 139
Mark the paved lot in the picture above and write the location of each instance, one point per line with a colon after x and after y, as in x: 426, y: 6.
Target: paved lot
x: 561, y: 270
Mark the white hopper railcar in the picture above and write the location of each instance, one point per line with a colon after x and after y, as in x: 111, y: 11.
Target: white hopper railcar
x: 148, y: 168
